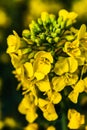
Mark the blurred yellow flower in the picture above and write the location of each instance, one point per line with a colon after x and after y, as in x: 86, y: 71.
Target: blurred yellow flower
x: 51, y: 128
x: 75, y: 119
x: 4, y: 19
x: 32, y: 126
x: 67, y: 15
x: 82, y: 5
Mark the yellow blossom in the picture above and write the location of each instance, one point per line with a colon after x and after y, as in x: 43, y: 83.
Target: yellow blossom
x: 51, y: 128
x: 58, y: 83
x: 49, y: 113
x: 67, y: 15
x: 13, y: 42
x: 48, y: 110
x: 64, y: 65
x: 42, y: 64
x: 82, y: 31
x: 71, y: 78
x: 55, y: 97
x: 72, y: 48
x: 28, y: 108
x: 32, y: 126
x: 75, y: 119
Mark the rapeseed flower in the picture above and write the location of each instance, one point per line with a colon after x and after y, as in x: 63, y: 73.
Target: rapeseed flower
x: 50, y: 63
x: 75, y: 119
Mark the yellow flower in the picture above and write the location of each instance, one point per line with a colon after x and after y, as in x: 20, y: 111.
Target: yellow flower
x: 54, y: 97
x: 48, y: 110
x: 67, y: 15
x: 71, y: 78
x: 51, y: 128
x: 44, y: 85
x: 13, y: 42
x: 50, y: 113
x: 42, y: 64
x: 75, y: 119
x: 27, y: 107
x: 32, y: 126
x: 82, y: 31
x: 61, y: 66
x: 58, y: 83
x: 72, y: 48
x: 64, y: 65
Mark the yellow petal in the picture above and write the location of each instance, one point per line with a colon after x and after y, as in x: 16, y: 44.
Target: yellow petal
x: 32, y: 126
x: 43, y: 85
x: 82, y: 31
x: 79, y: 87
x: 61, y: 66
x: 73, y: 96
x: 42, y: 102
x: 31, y: 115
x: 58, y: 83
x: 56, y: 97
x: 24, y: 105
x: 28, y: 69
x: 51, y: 128
x: 73, y: 64
x: 50, y: 113
x: 44, y: 16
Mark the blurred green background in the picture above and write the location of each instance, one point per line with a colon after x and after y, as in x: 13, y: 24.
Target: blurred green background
x: 16, y: 15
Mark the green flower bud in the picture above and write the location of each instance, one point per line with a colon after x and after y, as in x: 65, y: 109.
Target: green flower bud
x: 40, y: 21
x: 62, y: 24
x: 49, y: 39
x: 53, y: 34
x: 60, y: 19
x: 26, y: 33
x: 58, y: 31
x: 56, y: 39
x: 69, y: 37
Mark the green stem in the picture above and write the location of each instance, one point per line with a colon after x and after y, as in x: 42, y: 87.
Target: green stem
x: 64, y: 122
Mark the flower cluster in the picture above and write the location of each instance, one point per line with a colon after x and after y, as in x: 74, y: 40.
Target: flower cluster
x: 51, y: 56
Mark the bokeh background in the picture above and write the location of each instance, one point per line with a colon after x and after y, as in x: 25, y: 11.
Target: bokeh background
x: 16, y: 15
